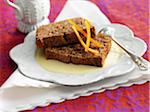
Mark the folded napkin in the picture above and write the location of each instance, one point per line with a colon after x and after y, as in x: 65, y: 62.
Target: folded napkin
x: 20, y: 93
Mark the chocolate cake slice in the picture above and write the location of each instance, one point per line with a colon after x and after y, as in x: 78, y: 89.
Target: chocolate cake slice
x: 76, y: 53
x: 60, y: 33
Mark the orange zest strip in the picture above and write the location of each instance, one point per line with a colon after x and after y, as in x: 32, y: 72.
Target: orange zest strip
x: 82, y: 42
x: 96, y: 43
x: 77, y: 27
x: 77, y: 34
x: 87, y: 24
x: 93, y: 51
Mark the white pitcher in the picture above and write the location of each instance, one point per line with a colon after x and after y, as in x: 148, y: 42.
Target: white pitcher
x: 31, y: 13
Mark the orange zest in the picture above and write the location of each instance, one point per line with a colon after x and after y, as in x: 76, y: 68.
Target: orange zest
x: 87, y: 24
x: 96, y: 43
x: 82, y: 42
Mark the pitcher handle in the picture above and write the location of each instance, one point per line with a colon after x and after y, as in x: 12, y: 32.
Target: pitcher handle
x: 15, y: 7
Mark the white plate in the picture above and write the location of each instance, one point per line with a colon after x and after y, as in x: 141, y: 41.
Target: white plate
x: 23, y: 55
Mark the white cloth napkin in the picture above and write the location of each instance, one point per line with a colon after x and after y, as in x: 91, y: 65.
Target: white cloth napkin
x: 20, y: 93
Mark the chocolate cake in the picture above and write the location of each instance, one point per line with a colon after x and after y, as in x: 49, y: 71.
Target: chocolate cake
x: 60, y: 33
x: 76, y: 53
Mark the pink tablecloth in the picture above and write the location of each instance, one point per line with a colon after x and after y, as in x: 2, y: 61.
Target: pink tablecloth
x: 133, y: 13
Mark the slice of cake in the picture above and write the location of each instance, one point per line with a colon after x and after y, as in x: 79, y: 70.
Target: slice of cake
x: 76, y: 53
x: 60, y: 33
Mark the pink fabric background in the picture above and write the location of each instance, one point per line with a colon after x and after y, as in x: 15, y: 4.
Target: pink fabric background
x: 133, y: 13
